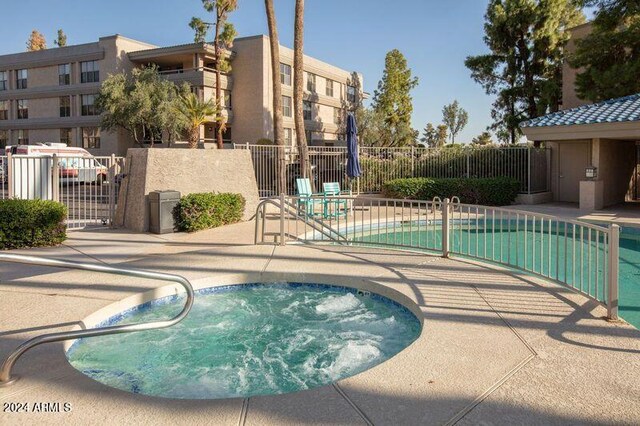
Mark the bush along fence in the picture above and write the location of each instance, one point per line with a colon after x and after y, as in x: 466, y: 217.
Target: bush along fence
x: 207, y: 210
x: 527, y: 165
x: 499, y: 191
x: 579, y: 255
x: 31, y: 223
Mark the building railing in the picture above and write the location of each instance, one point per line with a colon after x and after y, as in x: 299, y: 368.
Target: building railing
x: 528, y: 165
x: 6, y: 377
x: 578, y: 255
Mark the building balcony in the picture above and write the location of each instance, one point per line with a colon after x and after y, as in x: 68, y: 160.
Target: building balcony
x: 198, y: 77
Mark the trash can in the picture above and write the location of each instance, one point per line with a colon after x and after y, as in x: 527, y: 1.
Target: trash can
x: 161, y: 205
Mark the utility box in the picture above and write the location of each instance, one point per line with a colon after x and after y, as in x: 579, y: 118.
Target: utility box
x: 161, y: 205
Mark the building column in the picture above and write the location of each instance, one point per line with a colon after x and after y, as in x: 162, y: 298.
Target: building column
x: 592, y: 191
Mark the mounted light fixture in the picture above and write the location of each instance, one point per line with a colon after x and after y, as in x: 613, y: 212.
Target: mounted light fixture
x: 591, y: 172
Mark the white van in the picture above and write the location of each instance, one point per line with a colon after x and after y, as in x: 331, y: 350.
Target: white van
x: 77, y: 165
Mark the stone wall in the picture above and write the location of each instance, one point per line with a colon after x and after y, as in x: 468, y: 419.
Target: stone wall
x: 186, y: 171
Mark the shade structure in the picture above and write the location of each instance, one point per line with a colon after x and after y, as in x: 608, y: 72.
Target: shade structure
x: 353, y: 163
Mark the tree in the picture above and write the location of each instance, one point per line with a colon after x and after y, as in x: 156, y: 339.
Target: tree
x: 200, y: 29
x: 61, y: 39
x: 36, y: 41
x: 524, y: 69
x: 393, y: 99
x: 455, y: 118
x: 224, y: 35
x: 441, y: 138
x: 298, y: 73
x: 609, y: 57
x: 195, y: 113
x: 278, y: 129
x: 143, y: 104
x: 429, y: 136
x: 483, y: 138
x: 371, y: 127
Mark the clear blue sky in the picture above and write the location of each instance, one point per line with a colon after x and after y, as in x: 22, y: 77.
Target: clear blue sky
x: 434, y: 35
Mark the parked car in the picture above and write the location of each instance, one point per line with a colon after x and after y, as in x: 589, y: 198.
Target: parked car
x: 77, y: 165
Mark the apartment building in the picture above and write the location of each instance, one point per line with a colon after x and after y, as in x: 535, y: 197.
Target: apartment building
x: 49, y: 95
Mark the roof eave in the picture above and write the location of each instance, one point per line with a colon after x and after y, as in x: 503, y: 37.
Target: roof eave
x: 620, y: 130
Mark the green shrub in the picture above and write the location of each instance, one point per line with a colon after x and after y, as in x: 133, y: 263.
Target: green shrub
x: 31, y: 223
x: 498, y: 191
x: 207, y: 210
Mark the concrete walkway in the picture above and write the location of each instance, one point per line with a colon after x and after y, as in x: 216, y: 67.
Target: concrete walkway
x: 497, y: 347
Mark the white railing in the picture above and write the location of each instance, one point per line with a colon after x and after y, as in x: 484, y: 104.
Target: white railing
x: 528, y: 165
x: 88, y: 186
x: 578, y: 255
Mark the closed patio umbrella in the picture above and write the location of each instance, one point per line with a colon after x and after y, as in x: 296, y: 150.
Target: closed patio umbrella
x: 353, y: 163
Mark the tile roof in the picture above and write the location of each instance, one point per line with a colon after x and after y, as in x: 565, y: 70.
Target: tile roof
x: 611, y: 111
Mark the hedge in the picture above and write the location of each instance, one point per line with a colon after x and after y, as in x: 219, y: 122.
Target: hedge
x: 31, y: 223
x: 207, y: 210
x: 498, y: 191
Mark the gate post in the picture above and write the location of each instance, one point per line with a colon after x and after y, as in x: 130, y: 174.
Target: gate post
x: 446, y: 231
x: 55, y: 178
x: 612, y: 296
x: 112, y: 190
x: 9, y: 175
x: 282, y: 241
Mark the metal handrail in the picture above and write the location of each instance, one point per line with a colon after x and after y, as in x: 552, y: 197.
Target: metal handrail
x: 5, y: 371
x: 315, y: 224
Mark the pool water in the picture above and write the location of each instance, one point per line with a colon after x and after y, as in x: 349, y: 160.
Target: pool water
x: 504, y: 243
x: 246, y: 340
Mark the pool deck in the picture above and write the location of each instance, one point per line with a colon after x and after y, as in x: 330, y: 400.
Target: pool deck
x: 498, y: 347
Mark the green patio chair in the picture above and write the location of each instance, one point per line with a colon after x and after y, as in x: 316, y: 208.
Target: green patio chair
x: 307, y: 200
x: 333, y: 207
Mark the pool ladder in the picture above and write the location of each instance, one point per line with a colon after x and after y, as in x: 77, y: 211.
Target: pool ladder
x: 7, y: 379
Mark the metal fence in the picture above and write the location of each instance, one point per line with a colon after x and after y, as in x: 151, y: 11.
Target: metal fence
x: 528, y: 165
x: 579, y: 255
x: 88, y: 186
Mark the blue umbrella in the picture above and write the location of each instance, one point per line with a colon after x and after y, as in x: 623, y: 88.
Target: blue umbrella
x: 353, y: 163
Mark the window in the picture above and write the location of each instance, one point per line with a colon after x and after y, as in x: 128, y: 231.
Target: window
x: 311, y: 82
x: 288, y: 137
x: 65, y: 136
x: 90, y: 137
x: 286, y: 106
x: 65, y: 106
x: 309, y: 135
x: 285, y: 74
x: 337, y: 115
x: 21, y: 79
x: 3, y: 138
x: 306, y: 110
x: 351, y: 94
x: 227, y: 98
x: 3, y: 80
x: 4, y: 110
x: 89, y: 105
x: 23, y: 137
x: 23, y: 109
x: 329, y: 89
x: 89, y: 72
x: 64, y: 74
x: 226, y: 135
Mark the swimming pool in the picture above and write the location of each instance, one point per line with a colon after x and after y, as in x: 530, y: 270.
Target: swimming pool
x: 249, y: 339
x: 501, y: 241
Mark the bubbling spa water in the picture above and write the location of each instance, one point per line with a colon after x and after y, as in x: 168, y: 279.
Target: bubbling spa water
x: 246, y: 340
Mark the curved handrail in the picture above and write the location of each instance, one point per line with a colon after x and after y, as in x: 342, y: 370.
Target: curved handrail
x: 5, y: 371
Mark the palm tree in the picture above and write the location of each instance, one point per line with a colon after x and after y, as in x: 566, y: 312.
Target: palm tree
x: 278, y: 130
x: 298, y: 70
x: 195, y: 113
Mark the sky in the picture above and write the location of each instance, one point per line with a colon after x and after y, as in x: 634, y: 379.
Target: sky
x: 434, y: 35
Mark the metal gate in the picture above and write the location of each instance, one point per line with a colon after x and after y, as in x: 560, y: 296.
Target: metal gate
x: 88, y: 186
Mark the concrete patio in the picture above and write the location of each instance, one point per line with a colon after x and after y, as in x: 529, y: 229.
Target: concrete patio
x: 497, y: 347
